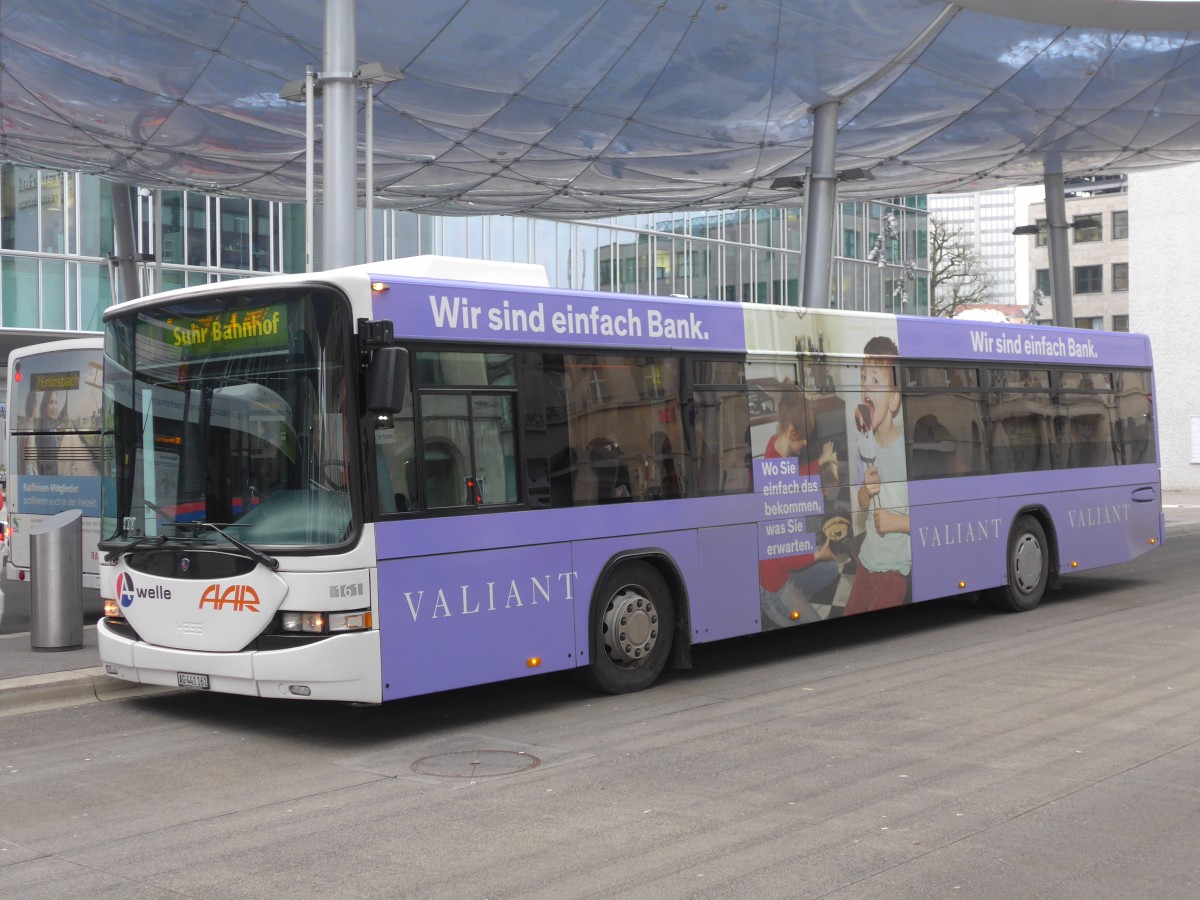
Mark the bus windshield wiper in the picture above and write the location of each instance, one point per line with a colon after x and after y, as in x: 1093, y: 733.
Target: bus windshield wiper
x: 182, y: 529
x: 267, y: 560
x: 144, y: 540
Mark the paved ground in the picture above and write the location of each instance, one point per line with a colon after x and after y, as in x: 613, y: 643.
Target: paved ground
x: 32, y: 680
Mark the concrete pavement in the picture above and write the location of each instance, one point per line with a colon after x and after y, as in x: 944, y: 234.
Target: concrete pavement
x: 31, y: 681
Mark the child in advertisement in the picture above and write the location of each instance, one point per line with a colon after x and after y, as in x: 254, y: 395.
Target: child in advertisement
x: 885, y: 557
x: 788, y: 584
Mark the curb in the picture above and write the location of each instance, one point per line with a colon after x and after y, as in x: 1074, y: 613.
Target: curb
x: 55, y: 690
x: 1180, y: 528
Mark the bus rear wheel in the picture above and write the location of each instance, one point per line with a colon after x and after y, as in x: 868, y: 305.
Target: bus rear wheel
x: 1028, y: 568
x: 633, y: 624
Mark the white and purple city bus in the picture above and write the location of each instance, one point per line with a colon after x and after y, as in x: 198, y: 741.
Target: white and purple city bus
x: 418, y: 475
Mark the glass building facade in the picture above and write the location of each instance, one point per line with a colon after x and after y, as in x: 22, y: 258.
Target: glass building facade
x: 56, y: 239
x: 747, y: 255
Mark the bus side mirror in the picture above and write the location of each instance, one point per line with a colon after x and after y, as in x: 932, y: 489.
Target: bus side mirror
x: 387, y: 380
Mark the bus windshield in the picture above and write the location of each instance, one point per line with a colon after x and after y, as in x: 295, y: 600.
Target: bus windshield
x: 231, y: 413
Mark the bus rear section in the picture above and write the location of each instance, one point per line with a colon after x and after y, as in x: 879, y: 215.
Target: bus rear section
x: 1032, y: 455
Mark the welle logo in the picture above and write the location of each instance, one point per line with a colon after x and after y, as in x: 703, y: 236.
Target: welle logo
x: 126, y: 592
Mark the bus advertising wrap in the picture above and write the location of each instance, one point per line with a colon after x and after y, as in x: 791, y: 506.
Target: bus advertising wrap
x: 470, y: 312
x: 926, y: 338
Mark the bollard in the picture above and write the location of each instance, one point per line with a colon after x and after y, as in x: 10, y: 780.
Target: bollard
x: 56, y: 570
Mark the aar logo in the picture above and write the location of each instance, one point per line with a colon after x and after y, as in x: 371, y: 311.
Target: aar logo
x: 125, y: 589
x: 237, y: 597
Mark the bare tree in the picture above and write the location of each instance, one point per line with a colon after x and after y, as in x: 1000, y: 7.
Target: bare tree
x: 957, y: 277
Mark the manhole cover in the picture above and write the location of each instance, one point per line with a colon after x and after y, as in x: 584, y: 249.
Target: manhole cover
x: 475, y: 764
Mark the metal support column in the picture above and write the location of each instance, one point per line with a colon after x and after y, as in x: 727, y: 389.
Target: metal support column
x: 124, y: 258
x: 369, y: 178
x: 156, y: 283
x: 819, y: 203
x: 310, y: 167
x: 339, y: 176
x: 1060, y: 252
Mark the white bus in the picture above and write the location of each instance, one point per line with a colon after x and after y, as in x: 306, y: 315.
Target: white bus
x: 54, y: 452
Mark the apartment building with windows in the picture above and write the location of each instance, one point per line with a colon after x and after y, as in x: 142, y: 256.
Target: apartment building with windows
x: 1098, y: 216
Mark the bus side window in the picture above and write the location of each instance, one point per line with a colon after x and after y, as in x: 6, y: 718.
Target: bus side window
x: 445, y: 449
x: 1134, y: 412
x: 395, y: 462
x: 945, y: 433
x: 1022, y: 421
x: 494, y: 448
x: 945, y: 423
x: 468, y: 449
x: 623, y: 429
x: 1088, y: 409
x: 395, y: 458
x: 721, y: 457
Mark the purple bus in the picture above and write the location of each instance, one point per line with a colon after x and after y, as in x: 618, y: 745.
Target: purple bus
x: 418, y: 475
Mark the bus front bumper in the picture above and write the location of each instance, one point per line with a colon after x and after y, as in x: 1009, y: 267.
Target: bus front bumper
x: 343, y: 667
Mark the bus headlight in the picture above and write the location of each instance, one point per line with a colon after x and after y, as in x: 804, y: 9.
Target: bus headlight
x: 325, y: 623
x: 307, y: 622
x: 112, y: 609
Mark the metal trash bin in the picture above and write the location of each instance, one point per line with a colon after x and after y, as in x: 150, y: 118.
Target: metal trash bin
x: 56, y: 571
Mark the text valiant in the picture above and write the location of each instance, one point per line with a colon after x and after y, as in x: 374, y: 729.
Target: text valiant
x: 467, y: 600
x: 1091, y: 516
x: 960, y: 533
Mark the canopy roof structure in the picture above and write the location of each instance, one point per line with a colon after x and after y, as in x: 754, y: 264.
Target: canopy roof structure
x: 597, y: 107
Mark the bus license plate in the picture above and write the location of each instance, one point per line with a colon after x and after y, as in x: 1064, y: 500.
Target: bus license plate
x: 191, y: 680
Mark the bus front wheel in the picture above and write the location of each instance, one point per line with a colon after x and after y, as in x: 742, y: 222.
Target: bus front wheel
x: 633, y: 624
x: 1028, y: 567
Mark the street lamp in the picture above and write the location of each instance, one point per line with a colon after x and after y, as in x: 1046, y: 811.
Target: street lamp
x: 368, y: 76
x: 796, y: 182
x: 299, y: 92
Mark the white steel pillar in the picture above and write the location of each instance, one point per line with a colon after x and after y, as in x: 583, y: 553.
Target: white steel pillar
x: 819, y: 200
x: 124, y: 258
x: 1060, y: 250
x: 339, y: 175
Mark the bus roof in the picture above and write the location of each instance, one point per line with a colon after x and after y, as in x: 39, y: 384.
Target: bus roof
x: 432, y: 267
x: 512, y: 303
x: 91, y: 342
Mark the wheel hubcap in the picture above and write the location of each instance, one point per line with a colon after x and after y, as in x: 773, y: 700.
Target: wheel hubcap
x: 630, y: 625
x: 1027, y: 563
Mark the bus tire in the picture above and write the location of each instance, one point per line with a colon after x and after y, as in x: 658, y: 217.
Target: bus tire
x: 1028, y: 565
x: 633, y: 625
